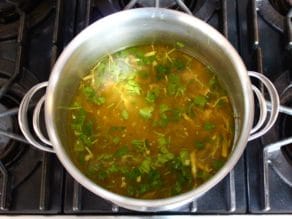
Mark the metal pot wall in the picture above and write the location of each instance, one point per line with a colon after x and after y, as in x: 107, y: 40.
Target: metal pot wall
x: 142, y: 26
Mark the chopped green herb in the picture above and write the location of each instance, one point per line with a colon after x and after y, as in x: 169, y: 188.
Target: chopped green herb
x: 208, y: 126
x: 78, y: 119
x: 221, y: 101
x: 105, y: 157
x: 117, y: 128
x: 141, y: 145
x: 162, y: 121
x: 133, y: 87
x: 174, y: 115
x: 162, y: 141
x: 199, y: 145
x: 161, y: 71
x: 152, y: 95
x: 82, y: 130
x: 78, y: 146
x: 177, y: 188
x: 143, y: 74
x: 163, y: 108
x: 121, y: 151
x: 203, y: 175
x: 179, y: 65
x: 189, y: 109
x: 175, y: 87
x: 144, y: 188
x: 200, y: 101
x: 145, y: 59
x: 180, y: 44
x: 213, y: 82
x: 145, y: 166
x: 184, y: 157
x: 146, y: 112
x: 125, y: 114
x: 217, y: 164
x: 92, y: 96
x: 113, y: 169
x: 134, y: 173
x: 102, y: 174
x: 167, y: 115
x: 116, y: 140
x: 162, y: 158
x: 164, y: 154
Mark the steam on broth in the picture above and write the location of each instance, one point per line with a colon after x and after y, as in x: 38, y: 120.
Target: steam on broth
x: 150, y: 122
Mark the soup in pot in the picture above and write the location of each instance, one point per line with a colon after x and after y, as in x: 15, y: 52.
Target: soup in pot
x: 150, y: 122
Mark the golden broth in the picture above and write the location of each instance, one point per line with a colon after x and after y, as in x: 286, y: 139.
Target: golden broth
x: 150, y: 122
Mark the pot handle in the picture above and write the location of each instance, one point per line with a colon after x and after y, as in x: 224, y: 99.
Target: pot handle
x: 263, y: 126
x: 45, y: 144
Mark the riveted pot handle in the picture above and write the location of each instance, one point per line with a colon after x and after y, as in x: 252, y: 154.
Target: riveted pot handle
x: 45, y: 144
x: 266, y: 121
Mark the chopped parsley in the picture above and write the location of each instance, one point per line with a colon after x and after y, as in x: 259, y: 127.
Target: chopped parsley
x: 200, y: 101
x: 121, y: 151
x: 92, y: 96
x: 133, y: 87
x: 161, y: 71
x: 180, y: 44
x: 175, y: 86
x: 217, y: 164
x: 145, y: 166
x: 208, y: 126
x: 146, y: 112
x: 164, y: 108
x: 179, y: 65
x: 116, y: 140
x: 125, y: 114
x: 83, y: 130
x: 141, y: 145
x: 152, y: 95
x: 199, y: 145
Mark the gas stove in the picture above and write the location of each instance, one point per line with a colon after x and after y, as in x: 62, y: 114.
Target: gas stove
x: 32, y: 35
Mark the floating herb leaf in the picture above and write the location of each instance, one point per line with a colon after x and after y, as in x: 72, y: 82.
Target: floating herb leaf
x: 146, y: 112
x: 152, y: 95
x: 116, y: 140
x: 125, y: 114
x: 133, y: 87
x: 141, y: 145
x: 179, y: 65
x: 180, y: 44
x: 184, y: 156
x: 92, y: 96
x: 163, y: 108
x: 145, y: 166
x: 175, y: 87
x: 121, y: 151
x: 217, y: 164
x: 199, y: 145
x: 161, y: 71
x: 83, y: 130
x: 208, y: 126
x: 200, y: 101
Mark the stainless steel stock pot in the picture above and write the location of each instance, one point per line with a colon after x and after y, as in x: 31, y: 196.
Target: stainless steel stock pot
x: 142, y: 26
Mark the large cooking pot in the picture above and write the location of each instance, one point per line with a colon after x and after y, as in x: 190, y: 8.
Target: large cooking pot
x: 140, y: 26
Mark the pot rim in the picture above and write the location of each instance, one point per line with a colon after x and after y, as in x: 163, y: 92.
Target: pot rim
x: 134, y: 203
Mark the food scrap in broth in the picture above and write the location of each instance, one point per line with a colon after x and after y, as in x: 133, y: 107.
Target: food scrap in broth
x: 150, y: 122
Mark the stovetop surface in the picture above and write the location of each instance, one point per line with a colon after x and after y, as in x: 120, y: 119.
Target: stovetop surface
x: 34, y: 182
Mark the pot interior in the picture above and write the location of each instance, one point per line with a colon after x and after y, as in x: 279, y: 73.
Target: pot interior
x: 136, y: 27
